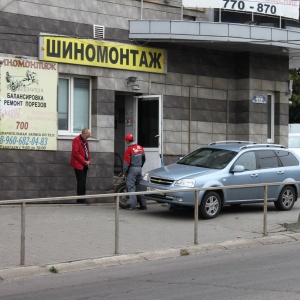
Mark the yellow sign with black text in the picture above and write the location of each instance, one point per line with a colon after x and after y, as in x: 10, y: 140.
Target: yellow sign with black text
x: 102, y: 54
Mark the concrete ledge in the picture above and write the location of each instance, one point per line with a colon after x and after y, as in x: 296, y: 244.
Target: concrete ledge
x: 18, y: 272
x: 295, y: 236
x: 277, y: 239
x: 74, y: 265
x: 242, y: 243
x: 161, y: 254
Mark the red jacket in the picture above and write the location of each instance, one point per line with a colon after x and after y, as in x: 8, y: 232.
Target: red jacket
x: 78, y: 154
x: 134, y: 156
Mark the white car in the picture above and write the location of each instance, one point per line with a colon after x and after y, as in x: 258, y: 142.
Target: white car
x: 294, y: 142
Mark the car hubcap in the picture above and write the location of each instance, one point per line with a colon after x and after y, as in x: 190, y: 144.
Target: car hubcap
x: 212, y: 206
x: 287, y: 198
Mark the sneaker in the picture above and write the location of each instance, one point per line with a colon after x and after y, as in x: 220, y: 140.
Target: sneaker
x: 133, y: 208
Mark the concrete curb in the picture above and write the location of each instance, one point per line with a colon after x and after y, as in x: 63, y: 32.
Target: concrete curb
x: 20, y: 272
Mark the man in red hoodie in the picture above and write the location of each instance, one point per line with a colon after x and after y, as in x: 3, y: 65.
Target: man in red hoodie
x: 134, y: 159
x: 80, y: 160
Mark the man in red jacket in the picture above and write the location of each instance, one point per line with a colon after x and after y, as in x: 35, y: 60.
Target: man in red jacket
x: 134, y: 159
x: 80, y: 160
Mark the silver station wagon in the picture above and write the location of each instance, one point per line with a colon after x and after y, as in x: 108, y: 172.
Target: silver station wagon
x: 226, y: 164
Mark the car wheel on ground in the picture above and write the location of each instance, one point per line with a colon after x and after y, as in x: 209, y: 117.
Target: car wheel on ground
x: 210, y: 205
x: 123, y: 200
x: 286, y: 199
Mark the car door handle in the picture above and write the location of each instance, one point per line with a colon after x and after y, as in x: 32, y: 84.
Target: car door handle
x: 280, y: 172
x: 254, y: 175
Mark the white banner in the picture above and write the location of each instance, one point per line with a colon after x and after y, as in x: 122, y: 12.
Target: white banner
x: 28, y: 104
x: 284, y: 8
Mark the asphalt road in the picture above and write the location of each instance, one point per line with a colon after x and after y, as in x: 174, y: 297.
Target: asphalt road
x: 261, y: 272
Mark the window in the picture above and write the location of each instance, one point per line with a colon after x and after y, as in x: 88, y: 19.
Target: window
x: 270, y: 118
x: 267, y: 159
x: 287, y: 158
x: 208, y: 158
x: 247, y: 160
x: 73, y: 104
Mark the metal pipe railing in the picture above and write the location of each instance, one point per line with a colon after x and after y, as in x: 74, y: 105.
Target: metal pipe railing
x: 116, y: 196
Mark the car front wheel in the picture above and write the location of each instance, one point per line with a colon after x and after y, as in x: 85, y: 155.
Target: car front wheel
x: 124, y: 200
x: 286, y: 199
x: 210, y: 205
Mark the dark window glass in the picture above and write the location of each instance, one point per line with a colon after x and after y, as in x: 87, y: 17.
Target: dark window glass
x: 148, y: 122
x: 267, y: 159
x: 287, y: 158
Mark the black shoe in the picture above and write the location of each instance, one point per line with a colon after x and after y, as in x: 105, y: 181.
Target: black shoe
x: 143, y: 208
x: 81, y: 201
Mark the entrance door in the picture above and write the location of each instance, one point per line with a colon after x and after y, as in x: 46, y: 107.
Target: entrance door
x: 149, y: 130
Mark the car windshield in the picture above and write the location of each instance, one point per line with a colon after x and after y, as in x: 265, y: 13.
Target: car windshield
x: 208, y: 158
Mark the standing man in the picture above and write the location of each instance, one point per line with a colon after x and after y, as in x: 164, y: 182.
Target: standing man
x: 134, y: 159
x: 80, y: 160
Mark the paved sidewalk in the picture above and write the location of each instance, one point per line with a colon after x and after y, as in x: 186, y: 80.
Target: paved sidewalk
x: 72, y: 232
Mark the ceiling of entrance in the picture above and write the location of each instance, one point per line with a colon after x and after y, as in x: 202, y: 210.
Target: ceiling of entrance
x: 221, y: 36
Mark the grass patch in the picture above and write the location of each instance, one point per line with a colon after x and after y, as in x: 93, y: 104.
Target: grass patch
x: 53, y: 270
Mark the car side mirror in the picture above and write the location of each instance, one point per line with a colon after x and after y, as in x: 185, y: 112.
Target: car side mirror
x: 238, y: 168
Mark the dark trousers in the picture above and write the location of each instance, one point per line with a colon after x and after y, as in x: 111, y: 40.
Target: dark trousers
x: 81, y: 183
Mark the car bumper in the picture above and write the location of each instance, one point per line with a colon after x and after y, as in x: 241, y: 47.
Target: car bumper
x: 181, y: 198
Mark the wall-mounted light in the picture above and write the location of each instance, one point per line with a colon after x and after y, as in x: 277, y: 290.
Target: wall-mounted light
x: 131, y: 82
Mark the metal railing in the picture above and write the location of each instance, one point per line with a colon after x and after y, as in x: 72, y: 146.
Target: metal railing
x: 117, y: 196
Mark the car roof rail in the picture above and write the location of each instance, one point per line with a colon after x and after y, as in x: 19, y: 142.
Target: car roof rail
x: 263, y: 145
x: 231, y: 142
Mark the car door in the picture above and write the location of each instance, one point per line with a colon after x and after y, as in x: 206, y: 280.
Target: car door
x: 276, y: 166
x: 269, y: 171
x: 248, y: 176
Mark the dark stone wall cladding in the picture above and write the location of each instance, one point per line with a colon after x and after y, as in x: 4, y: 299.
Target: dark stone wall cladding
x: 202, y: 62
x: 43, y: 174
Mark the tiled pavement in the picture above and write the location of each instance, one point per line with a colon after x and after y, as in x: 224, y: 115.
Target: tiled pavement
x: 62, y: 233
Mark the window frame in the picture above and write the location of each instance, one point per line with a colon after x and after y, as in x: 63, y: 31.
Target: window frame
x: 270, y: 117
x: 71, y: 79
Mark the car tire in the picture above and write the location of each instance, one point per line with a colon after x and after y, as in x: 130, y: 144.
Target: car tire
x: 286, y: 199
x: 123, y: 200
x: 210, y: 205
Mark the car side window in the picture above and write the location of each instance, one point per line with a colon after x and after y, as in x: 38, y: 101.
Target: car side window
x: 287, y: 158
x: 267, y: 159
x: 247, y: 160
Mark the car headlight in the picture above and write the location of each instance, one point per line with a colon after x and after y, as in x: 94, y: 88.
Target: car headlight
x: 185, y: 182
x: 146, y: 177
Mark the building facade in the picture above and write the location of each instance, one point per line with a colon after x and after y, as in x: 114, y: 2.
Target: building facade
x: 175, y: 77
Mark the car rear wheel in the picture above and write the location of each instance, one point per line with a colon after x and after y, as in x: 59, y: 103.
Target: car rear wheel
x: 210, y: 205
x: 286, y: 199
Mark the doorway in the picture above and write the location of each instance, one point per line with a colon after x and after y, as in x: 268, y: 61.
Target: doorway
x: 142, y: 117
x: 149, y: 129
